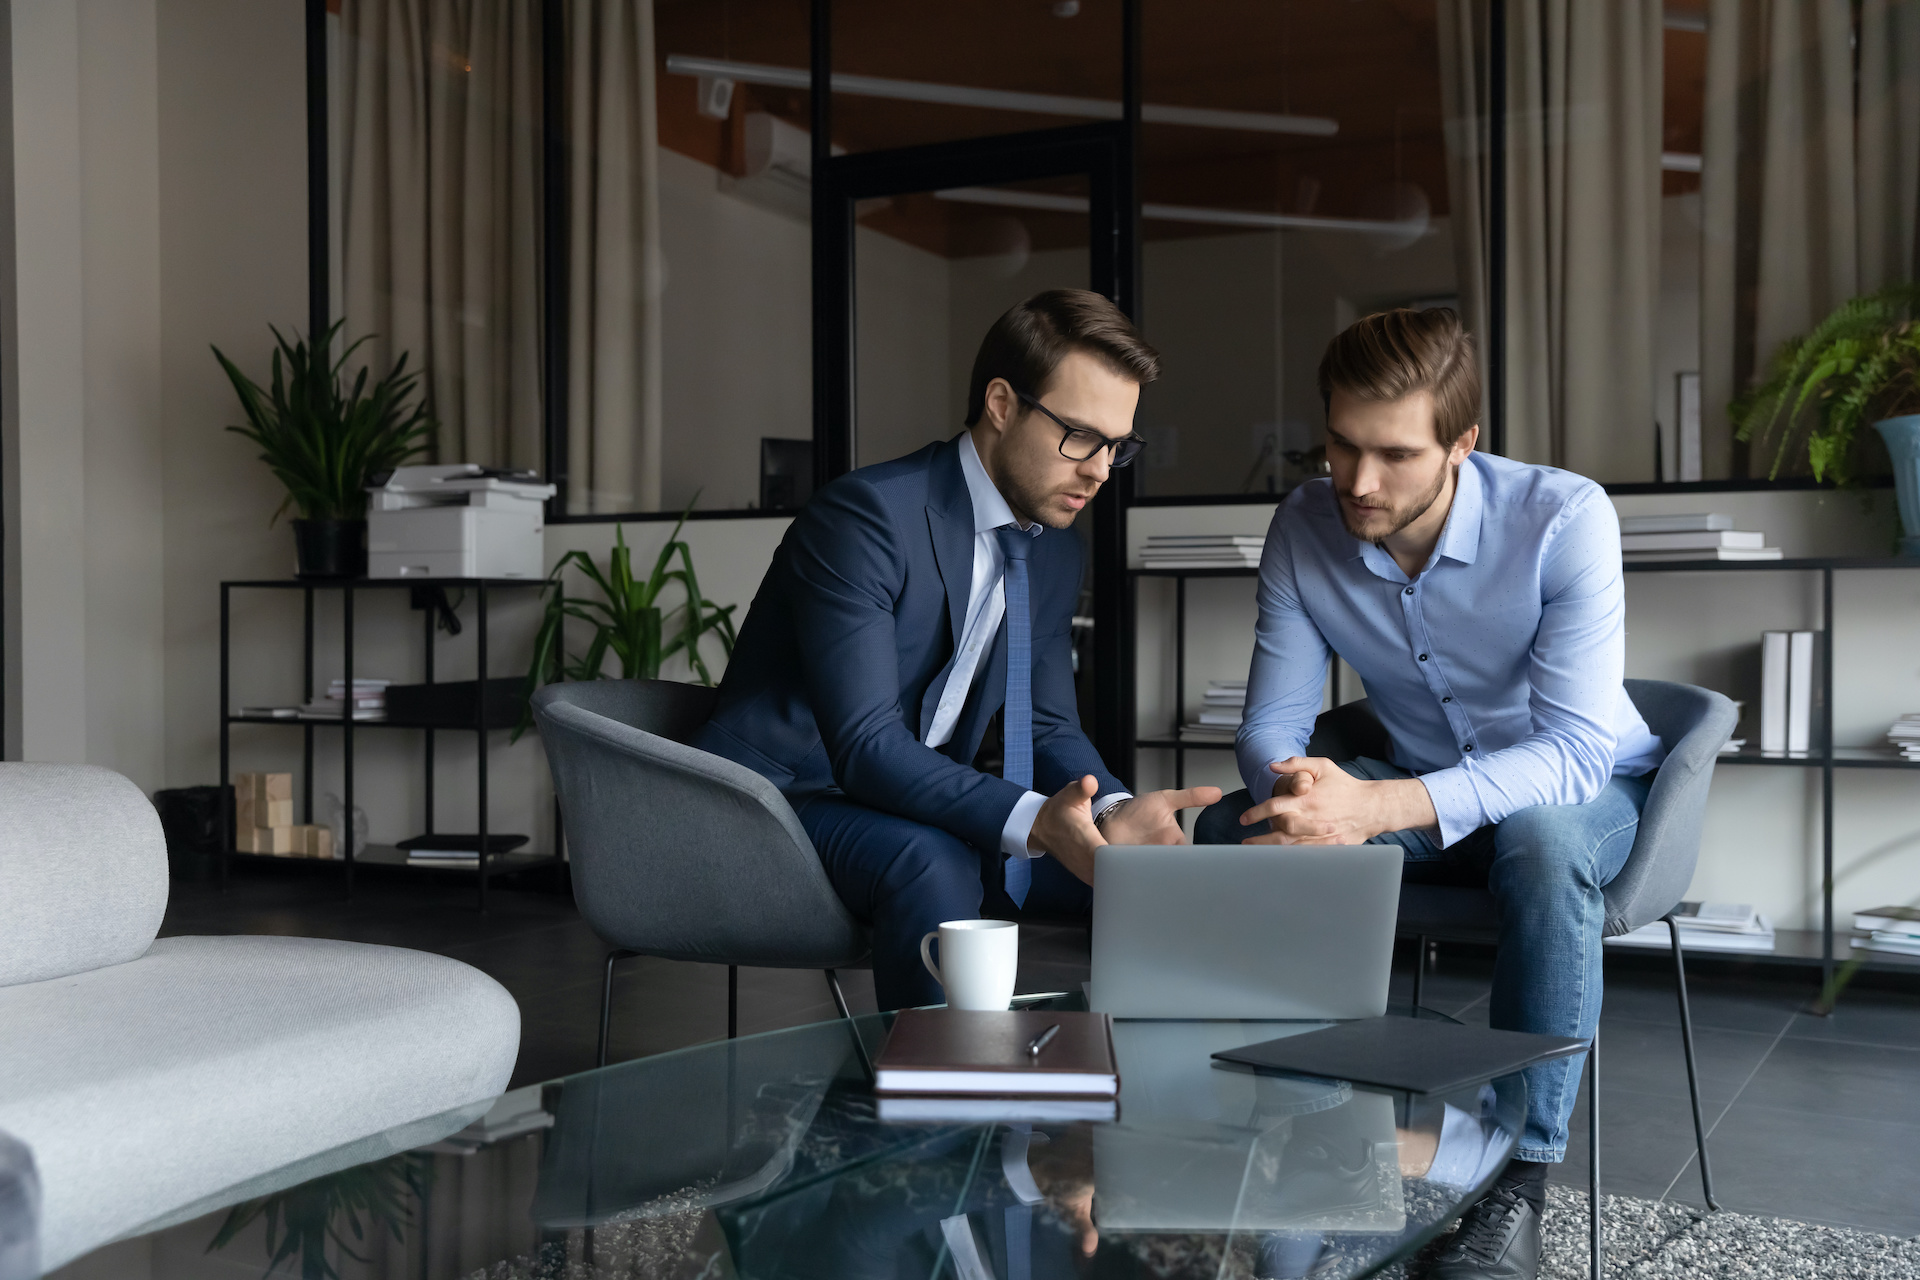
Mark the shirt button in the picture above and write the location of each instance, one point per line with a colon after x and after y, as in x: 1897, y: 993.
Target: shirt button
x: 1448, y: 698
x: 1468, y: 747
x: 1409, y: 590
x: 1423, y: 657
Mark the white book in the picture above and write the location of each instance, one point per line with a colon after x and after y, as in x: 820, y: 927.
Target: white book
x: 1702, y: 522
x: 1717, y: 553
x: 1773, y: 690
x: 1692, y: 541
x: 1227, y: 718
x: 1888, y: 919
x: 1185, y: 563
x: 1879, y: 942
x: 1726, y: 917
x: 1655, y: 935
x: 1152, y: 555
x: 1800, y: 691
x: 1206, y: 539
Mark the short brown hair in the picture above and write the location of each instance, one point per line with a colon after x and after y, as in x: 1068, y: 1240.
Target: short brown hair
x: 1390, y: 355
x: 1026, y: 345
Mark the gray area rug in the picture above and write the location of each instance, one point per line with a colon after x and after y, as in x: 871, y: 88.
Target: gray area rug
x: 1645, y: 1238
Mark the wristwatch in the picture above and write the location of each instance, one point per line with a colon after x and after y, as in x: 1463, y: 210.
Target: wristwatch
x: 1104, y: 814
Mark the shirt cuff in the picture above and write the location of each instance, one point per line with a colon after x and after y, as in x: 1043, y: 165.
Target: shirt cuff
x: 1109, y: 798
x: 1454, y: 803
x: 1013, y: 836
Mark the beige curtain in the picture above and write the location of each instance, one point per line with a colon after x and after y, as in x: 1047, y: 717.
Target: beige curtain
x: 614, y: 376
x: 1812, y: 174
x: 440, y: 206
x: 1583, y: 220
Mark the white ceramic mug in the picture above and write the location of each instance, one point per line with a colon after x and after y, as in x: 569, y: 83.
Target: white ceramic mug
x: 978, y: 960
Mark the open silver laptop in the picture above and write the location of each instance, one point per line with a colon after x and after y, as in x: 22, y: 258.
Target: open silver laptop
x: 1244, y: 931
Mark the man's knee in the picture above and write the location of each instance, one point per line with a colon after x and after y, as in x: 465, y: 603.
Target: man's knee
x: 1542, y: 845
x: 1220, y: 823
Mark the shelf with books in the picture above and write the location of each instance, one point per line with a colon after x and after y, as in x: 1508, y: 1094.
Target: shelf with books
x: 485, y: 719
x: 1825, y: 948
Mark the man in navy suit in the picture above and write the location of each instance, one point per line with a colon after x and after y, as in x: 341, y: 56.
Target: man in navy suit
x: 913, y: 600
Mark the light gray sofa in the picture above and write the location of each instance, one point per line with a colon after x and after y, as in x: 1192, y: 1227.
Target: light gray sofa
x: 145, y: 1077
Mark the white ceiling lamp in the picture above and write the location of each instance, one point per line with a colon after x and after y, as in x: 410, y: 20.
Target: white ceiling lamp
x: 954, y: 95
x: 1396, y: 229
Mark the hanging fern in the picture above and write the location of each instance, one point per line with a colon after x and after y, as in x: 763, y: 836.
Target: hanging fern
x: 1860, y: 364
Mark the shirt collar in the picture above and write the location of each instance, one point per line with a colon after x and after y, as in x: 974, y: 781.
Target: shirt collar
x: 1460, y: 540
x: 1459, y: 537
x: 990, y: 510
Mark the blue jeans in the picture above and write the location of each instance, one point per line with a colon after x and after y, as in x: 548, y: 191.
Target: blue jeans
x: 1547, y: 867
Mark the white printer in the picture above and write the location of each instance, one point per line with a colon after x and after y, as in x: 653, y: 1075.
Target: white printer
x: 457, y: 521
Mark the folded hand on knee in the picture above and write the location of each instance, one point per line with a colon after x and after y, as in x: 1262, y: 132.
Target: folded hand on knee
x: 1315, y: 801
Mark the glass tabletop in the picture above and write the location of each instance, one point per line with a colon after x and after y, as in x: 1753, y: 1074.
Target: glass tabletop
x: 769, y: 1158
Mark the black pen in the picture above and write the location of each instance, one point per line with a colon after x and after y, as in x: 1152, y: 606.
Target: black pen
x: 1039, y: 1042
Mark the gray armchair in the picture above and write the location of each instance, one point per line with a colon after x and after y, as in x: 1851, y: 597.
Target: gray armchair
x: 1693, y: 724
x: 681, y: 854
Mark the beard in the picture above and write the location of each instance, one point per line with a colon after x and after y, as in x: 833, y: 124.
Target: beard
x: 1395, y: 518
x: 1034, y: 503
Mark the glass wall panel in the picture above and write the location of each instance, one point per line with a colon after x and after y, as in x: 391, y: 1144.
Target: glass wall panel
x: 932, y: 271
x: 1308, y: 187
x: 906, y: 74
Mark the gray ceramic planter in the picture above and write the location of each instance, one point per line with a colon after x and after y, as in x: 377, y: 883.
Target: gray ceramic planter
x: 1903, y: 442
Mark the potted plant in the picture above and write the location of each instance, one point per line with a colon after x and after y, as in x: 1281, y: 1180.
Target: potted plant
x: 627, y: 618
x: 1859, y: 365
x: 326, y: 441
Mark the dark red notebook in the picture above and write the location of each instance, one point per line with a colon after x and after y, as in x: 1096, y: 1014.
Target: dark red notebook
x: 955, y: 1052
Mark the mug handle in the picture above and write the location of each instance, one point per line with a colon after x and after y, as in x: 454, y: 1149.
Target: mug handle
x: 926, y: 957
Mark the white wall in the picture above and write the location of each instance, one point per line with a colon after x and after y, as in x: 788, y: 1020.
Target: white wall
x: 1761, y: 843
x: 84, y: 540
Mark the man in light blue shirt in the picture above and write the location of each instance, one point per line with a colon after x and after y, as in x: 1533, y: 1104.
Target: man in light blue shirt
x: 1481, y: 602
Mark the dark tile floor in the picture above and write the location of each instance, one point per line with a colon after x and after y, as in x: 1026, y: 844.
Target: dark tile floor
x: 1810, y: 1118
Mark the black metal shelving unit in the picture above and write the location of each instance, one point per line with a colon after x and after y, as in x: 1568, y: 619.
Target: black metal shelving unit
x: 1792, y: 946
x: 490, y: 864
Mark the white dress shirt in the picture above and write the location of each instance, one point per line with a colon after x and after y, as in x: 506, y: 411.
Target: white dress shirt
x: 986, y: 607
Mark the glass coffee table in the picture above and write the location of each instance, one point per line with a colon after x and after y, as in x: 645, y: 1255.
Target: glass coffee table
x: 769, y: 1158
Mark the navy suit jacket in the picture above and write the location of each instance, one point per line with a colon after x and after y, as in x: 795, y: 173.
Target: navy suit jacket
x: 841, y: 662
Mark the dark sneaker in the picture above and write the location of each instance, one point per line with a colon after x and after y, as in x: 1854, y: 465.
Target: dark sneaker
x: 1499, y: 1239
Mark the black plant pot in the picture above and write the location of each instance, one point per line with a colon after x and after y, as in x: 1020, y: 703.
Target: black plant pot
x: 330, y: 548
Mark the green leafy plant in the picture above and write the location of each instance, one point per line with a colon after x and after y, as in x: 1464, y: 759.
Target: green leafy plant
x: 301, y: 1221
x: 627, y: 619
x: 323, y: 439
x: 1860, y: 364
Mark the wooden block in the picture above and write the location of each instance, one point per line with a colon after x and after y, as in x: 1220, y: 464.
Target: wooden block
x: 277, y: 813
x: 245, y: 839
x: 316, y: 841
x: 244, y: 809
x: 249, y: 789
x: 283, y: 841
x: 279, y: 786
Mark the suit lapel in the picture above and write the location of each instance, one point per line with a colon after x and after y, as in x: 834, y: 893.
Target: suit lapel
x: 950, y: 526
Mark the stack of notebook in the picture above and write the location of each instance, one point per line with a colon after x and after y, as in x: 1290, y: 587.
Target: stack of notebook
x: 1895, y: 929
x: 1202, y: 551
x: 1703, y: 536
x: 1905, y: 735
x: 1706, y: 926
x: 1218, y: 719
x: 951, y: 1065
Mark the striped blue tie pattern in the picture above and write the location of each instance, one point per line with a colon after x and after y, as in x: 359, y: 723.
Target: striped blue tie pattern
x: 1018, y: 718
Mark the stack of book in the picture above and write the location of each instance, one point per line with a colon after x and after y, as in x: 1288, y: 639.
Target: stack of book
x: 1895, y: 929
x: 1218, y: 719
x: 1905, y: 735
x: 1706, y: 926
x: 1704, y: 536
x: 1202, y: 551
x: 369, y: 701
x: 1787, y: 686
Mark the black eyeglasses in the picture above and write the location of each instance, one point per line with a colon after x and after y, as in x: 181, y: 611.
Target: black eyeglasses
x: 1080, y: 444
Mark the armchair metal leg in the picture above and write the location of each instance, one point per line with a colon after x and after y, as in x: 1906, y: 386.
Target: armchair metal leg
x: 1419, y: 970
x: 1595, y: 1258
x: 606, y: 1003
x: 1693, y: 1076
x: 733, y: 1002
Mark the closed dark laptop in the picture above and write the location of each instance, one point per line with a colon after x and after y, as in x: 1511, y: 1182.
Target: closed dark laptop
x: 1404, y: 1053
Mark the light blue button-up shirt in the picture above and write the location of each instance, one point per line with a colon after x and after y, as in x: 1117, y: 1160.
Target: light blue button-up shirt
x: 1496, y: 672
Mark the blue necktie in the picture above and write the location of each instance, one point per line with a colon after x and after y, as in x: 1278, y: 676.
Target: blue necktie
x: 1018, y: 720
